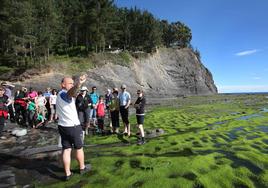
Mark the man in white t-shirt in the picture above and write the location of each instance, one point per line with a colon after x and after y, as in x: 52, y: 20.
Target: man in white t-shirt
x: 69, y: 126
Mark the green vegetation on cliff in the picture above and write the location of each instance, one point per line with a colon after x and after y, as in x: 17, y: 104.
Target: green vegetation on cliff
x: 31, y: 31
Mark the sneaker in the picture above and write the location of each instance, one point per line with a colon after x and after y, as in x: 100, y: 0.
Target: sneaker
x: 67, y: 178
x: 141, y: 142
x: 86, y: 169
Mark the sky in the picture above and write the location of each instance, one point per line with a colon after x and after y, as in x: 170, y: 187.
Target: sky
x: 231, y: 35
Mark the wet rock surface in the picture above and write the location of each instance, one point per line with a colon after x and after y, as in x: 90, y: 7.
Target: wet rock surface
x: 29, y: 158
x: 35, y: 157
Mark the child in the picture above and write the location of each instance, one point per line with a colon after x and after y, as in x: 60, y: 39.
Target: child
x: 4, y: 102
x: 100, y: 107
x: 114, y: 110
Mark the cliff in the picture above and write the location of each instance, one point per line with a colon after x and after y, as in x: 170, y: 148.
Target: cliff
x: 167, y: 73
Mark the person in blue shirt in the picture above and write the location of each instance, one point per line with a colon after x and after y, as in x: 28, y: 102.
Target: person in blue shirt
x: 95, y: 99
x: 124, y: 102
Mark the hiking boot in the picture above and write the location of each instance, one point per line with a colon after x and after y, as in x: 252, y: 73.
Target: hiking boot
x: 67, y: 178
x: 86, y: 169
x: 141, y: 142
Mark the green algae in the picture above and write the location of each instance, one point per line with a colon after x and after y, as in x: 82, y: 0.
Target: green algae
x: 215, y: 141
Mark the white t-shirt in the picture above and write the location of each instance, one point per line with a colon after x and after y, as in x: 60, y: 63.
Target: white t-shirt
x: 53, y: 99
x: 66, y: 110
x: 41, y: 100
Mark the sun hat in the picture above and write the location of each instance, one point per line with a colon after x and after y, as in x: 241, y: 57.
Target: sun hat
x: 84, y: 88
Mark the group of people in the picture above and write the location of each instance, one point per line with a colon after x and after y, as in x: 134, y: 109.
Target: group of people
x: 29, y: 107
x: 92, y: 109
x: 74, y: 111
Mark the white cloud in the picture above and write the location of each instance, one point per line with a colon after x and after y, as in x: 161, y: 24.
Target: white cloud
x: 256, y: 78
x: 242, y: 88
x: 247, y: 52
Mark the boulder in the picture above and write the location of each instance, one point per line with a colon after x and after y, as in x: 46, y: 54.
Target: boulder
x: 19, y: 132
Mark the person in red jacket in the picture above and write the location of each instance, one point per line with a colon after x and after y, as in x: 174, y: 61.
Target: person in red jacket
x: 100, y: 107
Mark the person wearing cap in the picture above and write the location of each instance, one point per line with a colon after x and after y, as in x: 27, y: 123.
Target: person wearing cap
x: 139, y: 105
x: 4, y: 102
x: 94, y: 98
x: 69, y: 125
x: 124, y: 101
x: 83, y: 103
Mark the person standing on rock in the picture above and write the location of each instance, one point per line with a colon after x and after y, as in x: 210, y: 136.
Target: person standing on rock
x: 41, y: 102
x: 124, y: 101
x: 4, y: 102
x: 69, y: 125
x: 20, y: 106
x: 8, y: 93
x: 47, y: 95
x: 139, y: 105
x: 52, y: 102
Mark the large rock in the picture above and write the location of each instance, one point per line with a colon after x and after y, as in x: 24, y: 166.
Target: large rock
x: 166, y: 73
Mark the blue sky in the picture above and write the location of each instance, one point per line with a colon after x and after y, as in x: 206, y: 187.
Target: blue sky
x: 232, y: 36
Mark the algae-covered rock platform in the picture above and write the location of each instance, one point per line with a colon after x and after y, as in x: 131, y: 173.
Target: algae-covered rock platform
x: 207, y: 141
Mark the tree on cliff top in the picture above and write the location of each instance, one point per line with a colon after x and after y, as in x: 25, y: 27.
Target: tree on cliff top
x: 31, y: 30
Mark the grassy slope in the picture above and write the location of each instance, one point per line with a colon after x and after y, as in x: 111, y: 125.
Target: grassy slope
x: 204, y: 145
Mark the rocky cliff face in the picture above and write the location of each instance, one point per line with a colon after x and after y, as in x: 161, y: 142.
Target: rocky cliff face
x: 169, y: 72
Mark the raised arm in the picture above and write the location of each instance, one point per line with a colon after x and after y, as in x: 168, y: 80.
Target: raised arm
x: 72, y: 92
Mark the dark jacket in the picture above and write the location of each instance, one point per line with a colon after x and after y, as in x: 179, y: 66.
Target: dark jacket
x: 82, y: 102
x: 140, y: 104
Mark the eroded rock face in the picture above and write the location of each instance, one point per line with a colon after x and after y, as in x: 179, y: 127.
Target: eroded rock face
x: 169, y: 72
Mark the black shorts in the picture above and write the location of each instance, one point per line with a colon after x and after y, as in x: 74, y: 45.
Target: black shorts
x: 124, y: 114
x: 140, y: 119
x: 71, y: 137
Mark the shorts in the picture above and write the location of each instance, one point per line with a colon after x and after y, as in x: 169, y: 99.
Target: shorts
x: 83, y: 116
x: 53, y: 109
x: 71, y: 137
x: 41, y: 109
x: 140, y: 119
x: 124, y: 114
